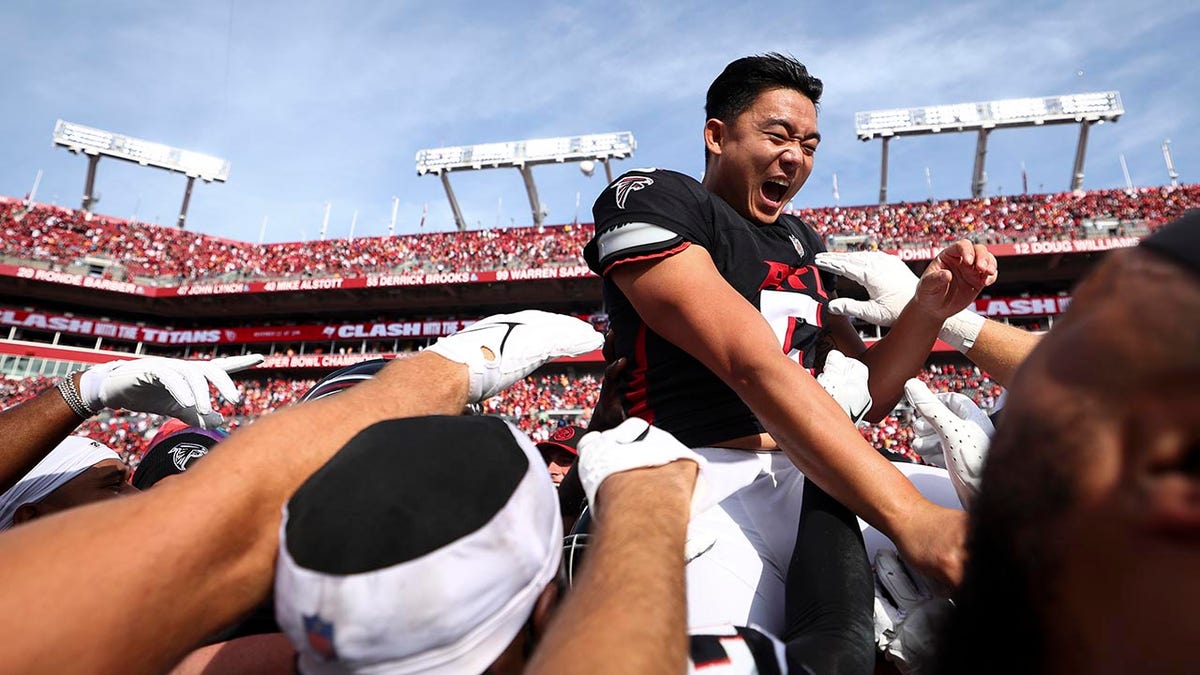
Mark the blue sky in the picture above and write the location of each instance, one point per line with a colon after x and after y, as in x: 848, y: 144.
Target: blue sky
x: 329, y: 101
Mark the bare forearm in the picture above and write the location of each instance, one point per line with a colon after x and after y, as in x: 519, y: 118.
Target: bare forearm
x: 1000, y: 349
x: 207, y: 538
x: 897, y: 357
x: 630, y: 602
x: 684, y: 299
x: 31, y: 430
x: 821, y: 441
x: 687, y: 302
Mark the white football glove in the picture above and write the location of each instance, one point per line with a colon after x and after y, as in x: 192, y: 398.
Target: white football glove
x: 888, y: 281
x: 907, y: 615
x: 520, y: 343
x: 634, y: 444
x: 963, y: 433
x: 890, y: 285
x: 846, y: 381
x: 172, y: 387
x: 926, y: 441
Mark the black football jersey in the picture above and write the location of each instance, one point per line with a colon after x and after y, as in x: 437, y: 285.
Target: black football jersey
x: 648, y: 214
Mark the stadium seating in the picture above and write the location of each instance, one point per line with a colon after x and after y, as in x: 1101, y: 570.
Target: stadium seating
x: 537, y: 404
x: 166, y: 256
x: 151, y: 254
x: 128, y: 433
x: 1003, y: 219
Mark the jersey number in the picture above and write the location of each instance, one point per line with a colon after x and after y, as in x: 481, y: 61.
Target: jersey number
x: 795, y: 318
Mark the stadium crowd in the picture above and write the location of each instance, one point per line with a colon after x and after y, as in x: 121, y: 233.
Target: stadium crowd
x: 1002, y: 219
x: 128, y: 432
x: 165, y: 255
x: 539, y: 405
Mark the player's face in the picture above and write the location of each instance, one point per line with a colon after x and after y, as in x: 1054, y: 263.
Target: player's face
x: 761, y: 159
x: 558, y: 462
x: 104, y: 480
x: 1121, y: 447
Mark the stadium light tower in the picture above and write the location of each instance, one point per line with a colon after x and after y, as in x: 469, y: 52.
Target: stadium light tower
x: 1166, y: 150
x: 523, y: 156
x: 982, y: 118
x: 92, y: 142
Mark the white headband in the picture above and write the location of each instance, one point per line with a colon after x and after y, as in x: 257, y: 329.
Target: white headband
x: 451, y: 610
x: 72, y: 457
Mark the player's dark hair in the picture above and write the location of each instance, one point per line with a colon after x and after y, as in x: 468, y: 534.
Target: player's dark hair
x: 742, y: 81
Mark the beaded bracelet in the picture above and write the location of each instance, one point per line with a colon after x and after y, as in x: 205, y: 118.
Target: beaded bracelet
x: 66, y: 387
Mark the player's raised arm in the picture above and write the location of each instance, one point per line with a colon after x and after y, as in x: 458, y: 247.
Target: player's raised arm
x: 995, y: 347
x: 684, y: 299
x: 921, y: 310
x: 163, y: 386
x: 209, y: 537
x: 1000, y: 349
x: 629, y: 601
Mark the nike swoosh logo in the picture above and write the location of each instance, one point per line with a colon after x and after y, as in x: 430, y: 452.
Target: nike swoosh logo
x: 641, y: 437
x: 497, y: 324
x: 861, y: 412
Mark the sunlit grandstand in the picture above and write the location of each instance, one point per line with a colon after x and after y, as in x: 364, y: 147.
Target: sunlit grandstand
x: 80, y: 288
x: 66, y: 240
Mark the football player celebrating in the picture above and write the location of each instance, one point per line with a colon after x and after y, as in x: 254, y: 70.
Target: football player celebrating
x: 717, y: 305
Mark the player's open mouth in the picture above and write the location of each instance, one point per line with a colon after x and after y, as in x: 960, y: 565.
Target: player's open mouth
x: 773, y: 191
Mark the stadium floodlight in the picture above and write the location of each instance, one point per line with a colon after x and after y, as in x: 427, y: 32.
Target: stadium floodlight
x: 1072, y: 109
x: 523, y: 156
x: 95, y: 143
x: 1083, y: 109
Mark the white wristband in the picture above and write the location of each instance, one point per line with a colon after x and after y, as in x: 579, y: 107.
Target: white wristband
x: 961, y: 330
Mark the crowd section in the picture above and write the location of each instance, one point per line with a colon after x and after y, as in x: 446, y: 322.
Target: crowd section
x: 128, y: 433
x: 893, y: 435
x: 435, y: 252
x: 996, y: 220
x: 65, y: 237
x: 968, y: 380
x: 166, y: 255
x: 538, y: 405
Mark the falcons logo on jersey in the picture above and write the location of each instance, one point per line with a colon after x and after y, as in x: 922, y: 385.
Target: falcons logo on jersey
x: 630, y: 184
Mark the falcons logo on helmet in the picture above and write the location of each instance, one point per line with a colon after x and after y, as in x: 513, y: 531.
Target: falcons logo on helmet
x: 183, y: 454
x: 630, y: 184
